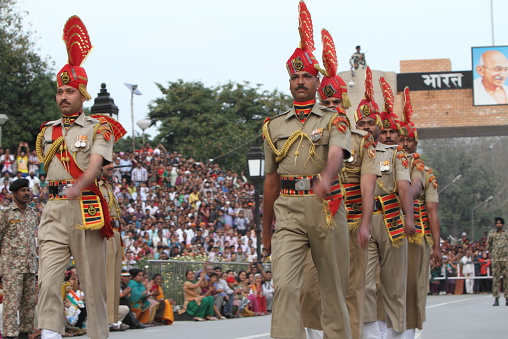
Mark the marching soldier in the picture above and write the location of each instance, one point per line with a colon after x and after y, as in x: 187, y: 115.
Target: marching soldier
x: 76, y: 218
x: 114, y: 246
x: 497, y: 245
x: 425, y: 205
x: 387, y: 254
x: 358, y: 178
x: 18, y: 261
x: 304, y: 149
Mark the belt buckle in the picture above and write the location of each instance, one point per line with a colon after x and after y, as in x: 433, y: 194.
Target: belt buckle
x: 302, y: 184
x: 62, y: 189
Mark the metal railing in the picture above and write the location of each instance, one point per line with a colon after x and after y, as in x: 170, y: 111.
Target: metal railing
x: 173, y: 273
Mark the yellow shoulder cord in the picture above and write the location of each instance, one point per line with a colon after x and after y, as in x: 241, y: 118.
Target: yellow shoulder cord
x: 112, y: 200
x: 299, y: 134
x: 51, y: 152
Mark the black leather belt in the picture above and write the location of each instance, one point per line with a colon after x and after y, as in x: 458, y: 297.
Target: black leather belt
x: 296, y: 183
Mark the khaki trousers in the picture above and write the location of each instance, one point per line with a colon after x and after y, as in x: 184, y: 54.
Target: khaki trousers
x: 355, y: 298
x: 392, y: 262
x: 299, y: 226
x: 59, y: 238
x: 113, y: 271
x: 417, y: 281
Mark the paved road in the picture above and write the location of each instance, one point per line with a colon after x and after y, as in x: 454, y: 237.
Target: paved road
x: 462, y: 316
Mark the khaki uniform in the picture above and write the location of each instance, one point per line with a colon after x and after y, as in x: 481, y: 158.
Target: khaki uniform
x: 114, y: 253
x: 418, y: 255
x: 391, y: 259
x: 497, y: 245
x: 60, y: 237
x: 18, y: 266
x: 362, y: 161
x: 300, y: 225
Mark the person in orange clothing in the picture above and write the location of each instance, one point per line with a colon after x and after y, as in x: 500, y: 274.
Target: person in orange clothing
x: 164, y: 312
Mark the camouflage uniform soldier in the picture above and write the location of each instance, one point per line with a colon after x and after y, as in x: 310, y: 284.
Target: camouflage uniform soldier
x: 18, y: 263
x: 497, y: 244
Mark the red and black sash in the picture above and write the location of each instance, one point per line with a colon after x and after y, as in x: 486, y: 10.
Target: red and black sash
x: 76, y: 173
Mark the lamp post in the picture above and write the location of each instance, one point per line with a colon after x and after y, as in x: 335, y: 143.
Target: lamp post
x: 3, y: 120
x: 472, y: 214
x: 256, y: 162
x: 455, y: 179
x: 134, y: 90
x: 143, y: 124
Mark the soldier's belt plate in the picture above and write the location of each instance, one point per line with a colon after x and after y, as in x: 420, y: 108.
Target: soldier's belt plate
x: 302, y: 184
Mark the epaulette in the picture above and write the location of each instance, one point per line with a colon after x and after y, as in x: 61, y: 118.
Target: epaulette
x: 402, y: 156
x: 418, y: 162
x: 360, y: 132
x: 43, y: 125
x: 327, y: 109
x: 102, y: 127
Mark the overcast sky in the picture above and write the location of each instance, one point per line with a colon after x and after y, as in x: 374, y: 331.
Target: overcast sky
x: 144, y: 42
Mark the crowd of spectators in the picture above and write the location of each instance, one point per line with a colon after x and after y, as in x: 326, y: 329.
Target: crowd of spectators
x: 171, y: 207
x: 466, y: 267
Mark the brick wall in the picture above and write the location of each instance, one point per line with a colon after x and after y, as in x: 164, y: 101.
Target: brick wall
x: 447, y: 108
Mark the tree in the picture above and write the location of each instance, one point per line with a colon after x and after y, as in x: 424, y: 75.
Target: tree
x: 482, y: 163
x: 27, y: 88
x: 214, y: 122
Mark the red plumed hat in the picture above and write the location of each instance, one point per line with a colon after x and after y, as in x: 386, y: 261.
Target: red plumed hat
x: 302, y: 58
x: 332, y: 85
x: 408, y: 128
x: 388, y: 118
x: 77, y: 42
x: 368, y: 107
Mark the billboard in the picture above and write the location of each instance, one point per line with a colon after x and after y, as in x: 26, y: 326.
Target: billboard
x: 490, y: 70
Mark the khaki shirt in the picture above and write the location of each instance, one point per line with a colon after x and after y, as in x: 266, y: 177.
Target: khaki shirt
x: 298, y: 162
x: 417, y: 173
x: 430, y: 186
x: 107, y: 193
x: 392, y: 169
x: 82, y: 128
x: 362, y: 160
x: 18, y: 240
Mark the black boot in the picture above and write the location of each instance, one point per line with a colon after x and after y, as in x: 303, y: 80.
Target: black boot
x: 496, y: 302
x: 23, y: 335
x: 506, y: 302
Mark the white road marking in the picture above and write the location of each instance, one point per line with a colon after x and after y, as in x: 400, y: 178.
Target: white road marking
x: 452, y: 302
x: 255, y: 336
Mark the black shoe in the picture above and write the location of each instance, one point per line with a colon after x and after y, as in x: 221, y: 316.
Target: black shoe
x: 23, y: 335
x: 506, y: 302
x: 496, y: 302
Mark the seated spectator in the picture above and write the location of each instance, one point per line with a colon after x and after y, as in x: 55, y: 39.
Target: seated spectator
x: 139, y: 297
x: 198, y: 306
x: 125, y: 291
x: 164, y: 313
x: 268, y: 290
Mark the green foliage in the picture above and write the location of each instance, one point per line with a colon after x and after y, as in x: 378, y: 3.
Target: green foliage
x: 482, y: 162
x: 208, y: 122
x: 27, y: 88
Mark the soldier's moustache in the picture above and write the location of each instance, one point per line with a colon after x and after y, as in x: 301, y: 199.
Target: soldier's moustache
x: 301, y: 87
